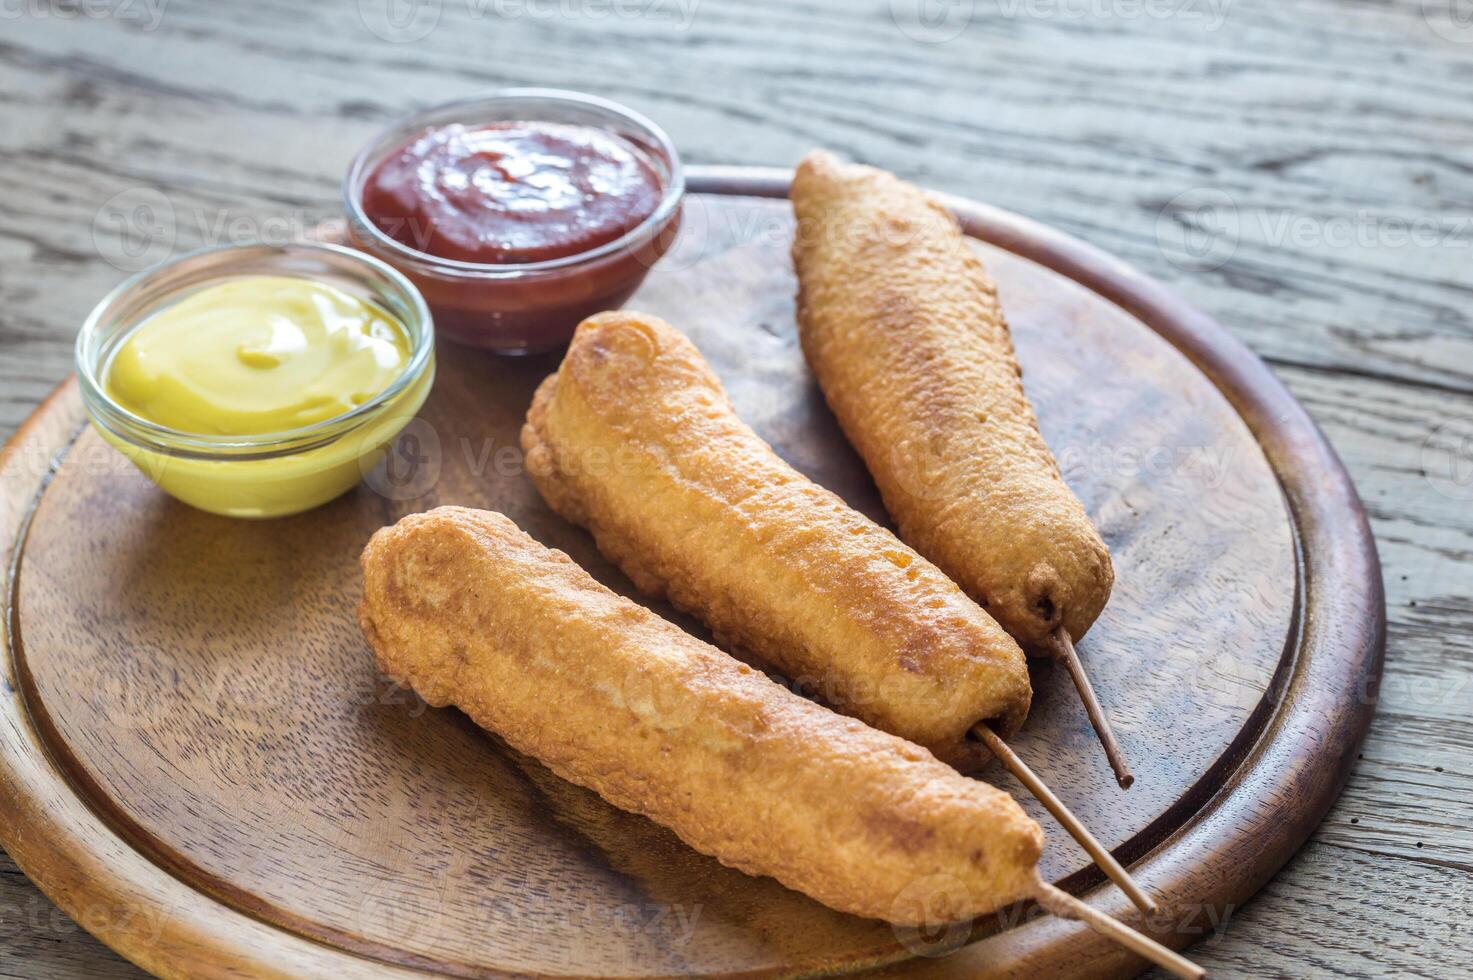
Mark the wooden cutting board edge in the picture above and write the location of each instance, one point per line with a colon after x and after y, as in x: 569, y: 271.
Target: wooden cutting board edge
x: 1285, y: 782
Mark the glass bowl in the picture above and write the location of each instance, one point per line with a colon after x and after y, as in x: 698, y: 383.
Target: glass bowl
x: 529, y: 307
x: 275, y: 473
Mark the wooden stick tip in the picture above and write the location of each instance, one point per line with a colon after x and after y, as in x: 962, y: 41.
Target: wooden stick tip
x: 1066, y: 906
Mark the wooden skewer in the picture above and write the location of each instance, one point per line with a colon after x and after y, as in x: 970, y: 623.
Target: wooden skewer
x: 1062, y: 814
x: 1064, y: 650
x: 1066, y: 906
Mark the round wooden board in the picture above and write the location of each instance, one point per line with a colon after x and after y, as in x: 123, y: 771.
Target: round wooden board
x: 200, y: 764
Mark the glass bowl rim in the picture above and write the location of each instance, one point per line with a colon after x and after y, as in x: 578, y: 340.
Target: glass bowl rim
x: 353, y: 206
x: 106, y: 412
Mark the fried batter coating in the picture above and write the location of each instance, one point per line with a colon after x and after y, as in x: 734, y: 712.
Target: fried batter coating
x: 635, y: 439
x: 900, y: 323
x: 467, y: 610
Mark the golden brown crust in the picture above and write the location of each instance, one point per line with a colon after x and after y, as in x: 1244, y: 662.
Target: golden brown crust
x: 464, y: 608
x: 901, y: 325
x: 635, y: 439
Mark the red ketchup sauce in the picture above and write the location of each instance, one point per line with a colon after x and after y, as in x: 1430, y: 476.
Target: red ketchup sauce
x: 505, y: 194
x: 511, y: 192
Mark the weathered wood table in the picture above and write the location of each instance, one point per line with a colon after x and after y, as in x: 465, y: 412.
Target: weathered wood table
x: 1303, y: 170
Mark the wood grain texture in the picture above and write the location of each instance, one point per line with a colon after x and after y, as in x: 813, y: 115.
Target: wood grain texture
x: 1317, y: 117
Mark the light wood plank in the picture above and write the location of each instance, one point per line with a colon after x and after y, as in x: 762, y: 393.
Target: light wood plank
x: 1316, y: 120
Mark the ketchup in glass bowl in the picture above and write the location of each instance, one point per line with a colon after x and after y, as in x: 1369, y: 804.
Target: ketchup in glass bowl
x: 520, y: 214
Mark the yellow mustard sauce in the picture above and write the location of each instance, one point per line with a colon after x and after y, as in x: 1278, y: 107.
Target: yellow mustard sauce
x: 253, y: 358
x: 257, y: 355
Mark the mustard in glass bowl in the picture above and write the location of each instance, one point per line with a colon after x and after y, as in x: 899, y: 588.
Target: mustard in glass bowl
x: 257, y: 380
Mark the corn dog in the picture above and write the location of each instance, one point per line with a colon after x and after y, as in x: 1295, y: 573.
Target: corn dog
x: 464, y: 608
x: 901, y: 325
x: 635, y: 439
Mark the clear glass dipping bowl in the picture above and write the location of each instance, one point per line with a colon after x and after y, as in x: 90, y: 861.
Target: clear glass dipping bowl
x: 529, y: 307
x: 276, y: 473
